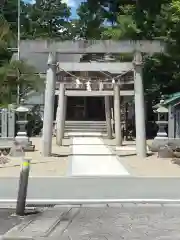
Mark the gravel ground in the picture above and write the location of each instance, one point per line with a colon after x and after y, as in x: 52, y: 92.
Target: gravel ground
x: 56, y: 165
x: 151, y: 166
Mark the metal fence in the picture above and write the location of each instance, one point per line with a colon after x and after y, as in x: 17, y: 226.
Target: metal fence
x: 7, y: 123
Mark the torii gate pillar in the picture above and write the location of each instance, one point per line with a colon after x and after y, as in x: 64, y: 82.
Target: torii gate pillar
x: 117, y: 115
x: 108, y: 116
x: 139, y: 106
x: 49, y: 106
x: 61, y: 114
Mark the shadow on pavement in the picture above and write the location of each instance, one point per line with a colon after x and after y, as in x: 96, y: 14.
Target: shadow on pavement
x: 8, y: 219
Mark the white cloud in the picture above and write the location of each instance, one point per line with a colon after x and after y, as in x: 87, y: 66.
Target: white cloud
x: 30, y: 1
x: 70, y: 3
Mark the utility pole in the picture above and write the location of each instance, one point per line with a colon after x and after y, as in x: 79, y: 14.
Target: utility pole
x: 18, y: 46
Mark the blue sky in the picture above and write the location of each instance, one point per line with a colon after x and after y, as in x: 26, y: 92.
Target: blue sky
x: 73, y: 4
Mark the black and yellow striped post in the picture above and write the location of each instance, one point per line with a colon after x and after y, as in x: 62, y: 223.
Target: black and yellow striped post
x: 23, y: 185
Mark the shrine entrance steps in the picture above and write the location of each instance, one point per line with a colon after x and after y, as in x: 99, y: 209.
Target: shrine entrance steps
x: 85, y: 127
x: 91, y: 157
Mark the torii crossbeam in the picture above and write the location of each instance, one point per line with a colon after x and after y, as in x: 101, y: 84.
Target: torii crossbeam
x: 92, y: 46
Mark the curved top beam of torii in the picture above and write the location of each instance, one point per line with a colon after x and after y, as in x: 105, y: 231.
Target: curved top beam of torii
x: 93, y: 46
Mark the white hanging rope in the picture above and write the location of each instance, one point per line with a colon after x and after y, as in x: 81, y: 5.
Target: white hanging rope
x: 100, y: 86
x: 72, y: 75
x: 78, y: 83
x: 88, y: 86
x: 113, y: 81
x: 106, y: 74
x: 120, y: 75
x: 85, y: 79
x: 88, y: 83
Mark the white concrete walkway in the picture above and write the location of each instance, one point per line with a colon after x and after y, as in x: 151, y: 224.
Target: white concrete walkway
x: 85, y: 134
x: 90, y: 157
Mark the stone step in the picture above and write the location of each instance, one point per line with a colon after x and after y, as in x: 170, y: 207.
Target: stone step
x: 85, y: 127
x: 85, y: 130
x: 85, y: 124
x: 85, y: 134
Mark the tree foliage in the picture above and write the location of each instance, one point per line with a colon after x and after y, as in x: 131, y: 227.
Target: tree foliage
x: 46, y: 19
x: 5, y: 38
x: 18, y: 73
x: 146, y: 20
x: 108, y: 19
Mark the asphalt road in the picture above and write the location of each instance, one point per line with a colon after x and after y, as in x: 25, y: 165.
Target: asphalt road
x: 53, y: 188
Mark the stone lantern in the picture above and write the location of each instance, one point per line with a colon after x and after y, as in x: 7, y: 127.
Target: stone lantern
x: 162, y: 121
x: 22, y: 112
x: 22, y: 138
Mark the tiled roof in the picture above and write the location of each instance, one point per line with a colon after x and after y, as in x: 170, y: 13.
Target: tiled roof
x: 170, y: 99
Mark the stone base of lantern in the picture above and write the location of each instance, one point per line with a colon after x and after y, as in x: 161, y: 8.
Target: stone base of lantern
x: 25, y: 143
x: 159, y: 142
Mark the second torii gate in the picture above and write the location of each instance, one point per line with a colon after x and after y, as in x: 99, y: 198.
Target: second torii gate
x: 78, y: 83
x: 84, y: 47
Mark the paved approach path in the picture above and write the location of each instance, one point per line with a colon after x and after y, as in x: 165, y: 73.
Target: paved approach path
x: 91, y: 157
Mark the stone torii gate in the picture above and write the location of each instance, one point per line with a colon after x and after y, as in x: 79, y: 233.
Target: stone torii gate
x: 101, y: 67
x: 85, y: 47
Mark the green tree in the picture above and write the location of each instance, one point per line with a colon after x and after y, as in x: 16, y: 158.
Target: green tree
x: 6, y: 36
x: 46, y: 19
x: 125, y: 27
x: 146, y: 20
x: 18, y: 73
x: 5, y: 33
x: 109, y: 9
x: 90, y: 21
x: 10, y: 13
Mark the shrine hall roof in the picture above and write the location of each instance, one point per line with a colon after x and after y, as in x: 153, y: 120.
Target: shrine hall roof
x: 170, y: 99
